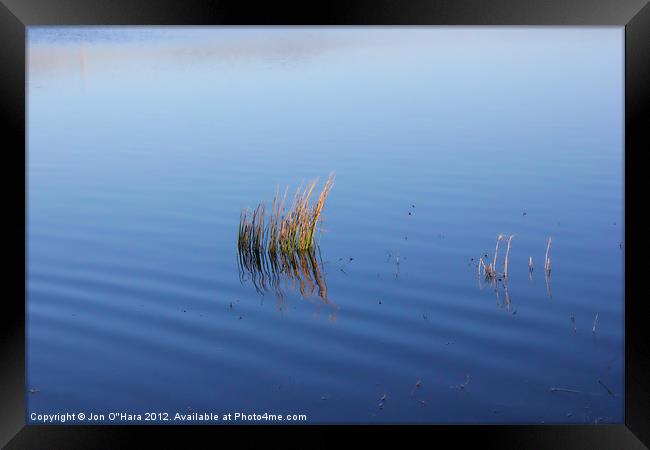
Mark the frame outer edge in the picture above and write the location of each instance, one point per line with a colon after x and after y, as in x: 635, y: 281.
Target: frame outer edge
x: 637, y: 96
x: 331, y: 12
x: 637, y: 143
x: 12, y: 331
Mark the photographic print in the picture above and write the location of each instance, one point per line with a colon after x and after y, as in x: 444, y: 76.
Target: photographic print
x: 325, y: 225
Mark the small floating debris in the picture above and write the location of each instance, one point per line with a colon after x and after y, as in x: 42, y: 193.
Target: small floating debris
x: 381, y: 401
x: 530, y: 264
x: 593, y: 329
x: 417, y: 386
x: 463, y: 385
x: 325, y: 397
x: 34, y: 390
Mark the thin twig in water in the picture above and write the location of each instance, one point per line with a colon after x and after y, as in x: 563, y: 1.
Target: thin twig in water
x: 593, y: 330
x: 606, y: 388
x: 557, y: 389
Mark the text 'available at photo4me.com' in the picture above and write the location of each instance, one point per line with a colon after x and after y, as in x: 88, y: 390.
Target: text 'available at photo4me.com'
x: 162, y: 417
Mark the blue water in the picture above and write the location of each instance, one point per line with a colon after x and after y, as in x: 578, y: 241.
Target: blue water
x: 144, y: 144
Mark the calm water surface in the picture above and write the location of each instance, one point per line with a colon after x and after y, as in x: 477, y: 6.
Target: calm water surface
x: 145, y: 144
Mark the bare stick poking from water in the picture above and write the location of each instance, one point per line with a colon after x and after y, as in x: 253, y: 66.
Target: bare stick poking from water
x: 496, y: 253
x: 530, y: 264
x: 547, y: 260
x: 505, y: 264
x: 482, y: 267
x: 593, y: 329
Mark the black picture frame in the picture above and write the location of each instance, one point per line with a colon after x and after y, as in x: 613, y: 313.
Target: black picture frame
x: 16, y: 15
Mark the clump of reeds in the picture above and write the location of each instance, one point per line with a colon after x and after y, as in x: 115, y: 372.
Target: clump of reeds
x: 284, y: 232
x: 252, y: 231
x: 490, y: 269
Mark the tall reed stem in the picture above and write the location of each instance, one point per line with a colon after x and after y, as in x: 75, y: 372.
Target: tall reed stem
x: 505, y: 264
x: 547, y: 260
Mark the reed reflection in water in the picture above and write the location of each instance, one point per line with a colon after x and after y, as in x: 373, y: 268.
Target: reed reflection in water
x: 280, y: 272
